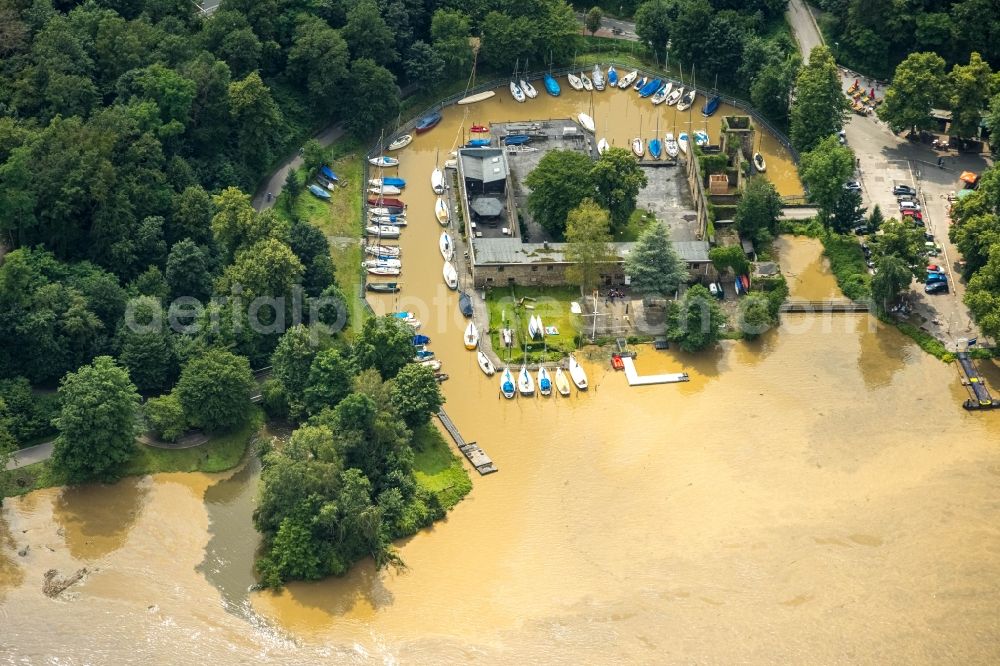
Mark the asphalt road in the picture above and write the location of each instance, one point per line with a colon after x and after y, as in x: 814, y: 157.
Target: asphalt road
x: 804, y: 27
x: 30, y: 455
x: 608, y: 25
x: 276, y: 181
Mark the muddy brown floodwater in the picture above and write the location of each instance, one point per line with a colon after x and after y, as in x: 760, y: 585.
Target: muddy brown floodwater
x: 817, y: 496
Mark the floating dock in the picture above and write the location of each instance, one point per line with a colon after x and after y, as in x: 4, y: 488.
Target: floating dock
x: 820, y: 307
x: 980, y: 397
x: 476, y: 456
x: 635, y: 379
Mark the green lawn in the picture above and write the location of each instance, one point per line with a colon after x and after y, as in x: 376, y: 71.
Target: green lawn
x: 217, y: 455
x: 552, y: 304
x: 341, y: 215
x: 637, y: 223
x: 437, y: 468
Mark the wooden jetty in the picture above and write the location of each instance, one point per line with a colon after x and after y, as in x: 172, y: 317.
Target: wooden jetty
x: 980, y: 397
x: 477, y: 457
x: 635, y: 379
x: 821, y: 307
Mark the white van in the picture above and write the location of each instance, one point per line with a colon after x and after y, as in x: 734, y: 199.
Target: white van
x: 908, y: 205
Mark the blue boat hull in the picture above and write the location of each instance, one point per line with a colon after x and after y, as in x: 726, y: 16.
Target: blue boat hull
x: 427, y: 122
x: 650, y: 88
x: 552, y: 86
x: 395, y: 182
x: 478, y: 143
x: 711, y: 106
x: 655, y: 148
x: 516, y: 140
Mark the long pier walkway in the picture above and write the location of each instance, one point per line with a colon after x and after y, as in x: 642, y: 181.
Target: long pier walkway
x: 635, y: 379
x: 820, y: 307
x: 980, y: 395
x: 482, y: 462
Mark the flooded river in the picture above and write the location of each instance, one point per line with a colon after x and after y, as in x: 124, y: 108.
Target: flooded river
x: 817, y: 496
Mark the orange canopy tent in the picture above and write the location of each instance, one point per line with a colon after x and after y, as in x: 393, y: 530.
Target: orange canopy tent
x: 968, y: 177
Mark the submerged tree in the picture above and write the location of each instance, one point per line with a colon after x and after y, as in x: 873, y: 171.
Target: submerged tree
x: 653, y: 266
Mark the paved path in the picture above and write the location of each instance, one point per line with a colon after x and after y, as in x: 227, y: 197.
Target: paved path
x: 30, y: 455
x: 608, y: 25
x: 804, y: 27
x: 276, y: 181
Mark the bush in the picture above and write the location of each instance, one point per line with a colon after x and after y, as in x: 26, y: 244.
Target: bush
x: 165, y: 417
x: 31, y: 414
x: 847, y: 263
x: 275, y: 401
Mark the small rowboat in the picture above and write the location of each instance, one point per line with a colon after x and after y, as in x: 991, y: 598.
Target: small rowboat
x: 577, y: 374
x: 479, y: 129
x: 401, y: 142
x: 319, y: 192
x: 428, y: 122
x: 759, y: 163
x: 383, y: 287
x: 586, y: 121
x: 602, y: 146
x: 478, y: 97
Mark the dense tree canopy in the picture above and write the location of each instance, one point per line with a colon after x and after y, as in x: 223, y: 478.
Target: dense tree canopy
x: 825, y: 170
x: 214, y: 390
x: 97, y: 422
x: 758, y: 211
x: 695, y: 320
x: 588, y: 238
x: 653, y: 265
x: 918, y: 85
x: 617, y: 179
x: 820, y: 105
x: 558, y: 184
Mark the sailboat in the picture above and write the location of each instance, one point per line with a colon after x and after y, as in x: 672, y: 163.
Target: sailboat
x: 637, y: 144
x: 507, y: 384
x: 516, y: 91
x: 577, y: 373
x: 612, y: 76
x: 627, y: 80
x: 598, y: 77
x: 551, y: 85
x: 562, y: 384
x: 687, y: 101
x: 450, y: 275
x: 526, y: 86
x: 485, y: 364
x: 446, y: 247
x: 674, y: 96
x: 471, y: 336
x: 587, y: 122
x: 588, y: 85
x: 655, y: 147
x: 574, y: 81
x: 544, y: 381
x: 661, y: 95
x: 670, y: 145
x: 441, y: 211
x: 682, y: 142
x: 602, y: 146
x: 437, y: 178
x: 525, y: 384
x: 712, y: 105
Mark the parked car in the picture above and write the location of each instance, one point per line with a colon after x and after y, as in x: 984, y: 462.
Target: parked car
x: 906, y: 197
x: 842, y: 137
x: 929, y: 237
x: 936, y: 277
x: 936, y: 288
x: 908, y: 205
x: 934, y: 268
x: 862, y: 229
x: 852, y: 185
x: 915, y: 214
x: 904, y: 189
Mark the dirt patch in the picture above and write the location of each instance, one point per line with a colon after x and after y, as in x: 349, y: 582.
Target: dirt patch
x: 54, y: 585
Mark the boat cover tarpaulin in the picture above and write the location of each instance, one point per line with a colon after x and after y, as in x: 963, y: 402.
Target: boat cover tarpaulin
x: 968, y: 177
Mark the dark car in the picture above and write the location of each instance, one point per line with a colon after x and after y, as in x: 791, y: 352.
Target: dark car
x: 928, y: 237
x: 904, y: 189
x: 862, y: 229
x: 933, y: 276
x: 936, y: 288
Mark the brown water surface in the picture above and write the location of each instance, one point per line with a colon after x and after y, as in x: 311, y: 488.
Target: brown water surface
x: 817, y: 496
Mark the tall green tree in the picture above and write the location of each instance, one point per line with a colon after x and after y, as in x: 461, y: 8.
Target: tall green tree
x: 903, y: 241
x: 374, y: 92
x: 423, y: 64
x: 653, y: 24
x: 695, y: 320
x: 319, y: 58
x: 588, y: 239
x: 189, y: 270
x: 652, y: 265
x: 892, y: 277
x: 385, y: 344
x: 847, y: 211
x: 416, y: 395
x: 758, y: 211
x: 266, y: 268
x: 820, y: 106
x: 257, y: 120
x: 291, y: 362
x: 617, y: 178
x: 147, y: 350
x: 450, y: 32
x: 367, y: 34
x: 755, y: 315
x: 215, y: 390
x: 558, y: 184
x: 329, y: 381
x: 592, y: 21
x: 824, y: 170
x: 917, y: 86
x: 97, y: 422
x: 971, y: 86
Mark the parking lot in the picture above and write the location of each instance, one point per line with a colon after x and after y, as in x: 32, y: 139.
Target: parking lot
x: 886, y: 159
